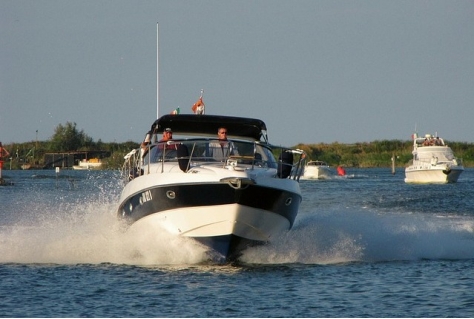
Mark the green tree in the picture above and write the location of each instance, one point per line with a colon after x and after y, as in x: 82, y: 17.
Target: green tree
x: 68, y: 138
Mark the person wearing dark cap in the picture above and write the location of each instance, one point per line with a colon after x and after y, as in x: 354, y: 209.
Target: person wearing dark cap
x: 167, y: 136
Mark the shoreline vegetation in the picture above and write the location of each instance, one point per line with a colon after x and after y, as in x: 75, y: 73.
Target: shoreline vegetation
x: 357, y: 155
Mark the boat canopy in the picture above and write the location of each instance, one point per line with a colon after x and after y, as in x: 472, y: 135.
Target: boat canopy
x: 191, y: 124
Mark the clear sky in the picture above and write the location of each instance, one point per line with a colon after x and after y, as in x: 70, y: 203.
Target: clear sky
x: 314, y: 71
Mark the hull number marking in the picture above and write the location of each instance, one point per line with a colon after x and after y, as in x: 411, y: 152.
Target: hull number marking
x: 145, y: 197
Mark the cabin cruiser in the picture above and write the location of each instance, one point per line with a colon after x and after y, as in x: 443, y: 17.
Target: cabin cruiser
x: 316, y: 170
x: 433, y: 162
x: 244, y: 198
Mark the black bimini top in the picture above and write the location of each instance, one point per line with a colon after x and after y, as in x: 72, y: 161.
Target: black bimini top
x: 191, y: 124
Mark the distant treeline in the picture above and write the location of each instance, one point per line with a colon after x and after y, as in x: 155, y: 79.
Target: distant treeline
x: 368, y: 154
x: 66, y: 138
x: 33, y: 153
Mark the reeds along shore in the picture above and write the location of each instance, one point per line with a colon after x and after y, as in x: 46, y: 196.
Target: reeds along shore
x: 363, y: 155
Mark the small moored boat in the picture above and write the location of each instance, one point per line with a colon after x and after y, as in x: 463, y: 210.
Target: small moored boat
x: 433, y: 162
x: 93, y: 163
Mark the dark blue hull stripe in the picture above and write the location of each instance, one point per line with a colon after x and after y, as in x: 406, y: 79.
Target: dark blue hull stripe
x: 164, y: 198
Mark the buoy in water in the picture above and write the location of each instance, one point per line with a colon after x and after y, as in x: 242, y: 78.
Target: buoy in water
x: 341, y: 171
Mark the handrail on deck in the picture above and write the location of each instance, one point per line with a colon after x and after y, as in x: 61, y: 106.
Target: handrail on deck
x: 254, y: 154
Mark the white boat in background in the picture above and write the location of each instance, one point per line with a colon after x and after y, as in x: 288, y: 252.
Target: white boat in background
x: 93, y: 163
x: 317, y: 170
x: 433, y: 162
x: 246, y: 198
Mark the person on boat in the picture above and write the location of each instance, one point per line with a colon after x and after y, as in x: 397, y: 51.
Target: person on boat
x: 146, y: 142
x: 167, y: 136
x: 156, y: 150
x: 222, y: 148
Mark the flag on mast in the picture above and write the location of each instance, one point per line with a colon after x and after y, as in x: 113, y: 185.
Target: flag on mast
x: 198, y: 107
x: 175, y: 112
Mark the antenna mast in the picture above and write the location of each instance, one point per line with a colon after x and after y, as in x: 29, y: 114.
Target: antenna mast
x: 157, y: 76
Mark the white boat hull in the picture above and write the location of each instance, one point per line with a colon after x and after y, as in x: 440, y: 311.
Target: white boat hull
x: 316, y: 170
x: 316, y: 173
x: 87, y: 165
x: 201, y: 204
x: 432, y: 174
x: 220, y: 220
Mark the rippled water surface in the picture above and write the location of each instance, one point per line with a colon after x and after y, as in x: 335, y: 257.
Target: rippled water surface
x: 364, y: 246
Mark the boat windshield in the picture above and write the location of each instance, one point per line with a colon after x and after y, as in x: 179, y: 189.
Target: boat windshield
x: 240, y: 152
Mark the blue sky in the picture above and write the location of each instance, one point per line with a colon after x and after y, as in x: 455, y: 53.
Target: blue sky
x: 314, y: 71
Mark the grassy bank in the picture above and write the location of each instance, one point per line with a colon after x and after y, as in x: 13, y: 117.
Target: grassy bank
x: 368, y: 154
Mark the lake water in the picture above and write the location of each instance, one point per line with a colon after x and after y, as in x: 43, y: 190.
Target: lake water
x: 367, y: 246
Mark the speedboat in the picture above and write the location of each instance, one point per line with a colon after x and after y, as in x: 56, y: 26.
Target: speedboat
x: 243, y: 199
x: 433, y: 162
x: 316, y: 170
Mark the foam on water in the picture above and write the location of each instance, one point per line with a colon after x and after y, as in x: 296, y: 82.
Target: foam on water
x: 346, y: 236
x: 89, y: 232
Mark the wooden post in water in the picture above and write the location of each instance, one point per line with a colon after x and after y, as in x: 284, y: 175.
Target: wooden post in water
x: 393, y: 164
x: 57, y: 175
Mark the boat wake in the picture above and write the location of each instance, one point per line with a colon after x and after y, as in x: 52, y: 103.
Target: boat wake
x: 91, y: 234
x: 363, y: 236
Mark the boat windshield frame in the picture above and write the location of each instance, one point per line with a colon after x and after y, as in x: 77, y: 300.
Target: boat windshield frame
x: 251, y: 155
x: 238, y: 151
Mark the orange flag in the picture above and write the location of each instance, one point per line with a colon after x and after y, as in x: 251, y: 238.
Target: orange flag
x: 198, y: 107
